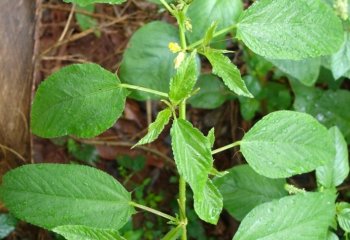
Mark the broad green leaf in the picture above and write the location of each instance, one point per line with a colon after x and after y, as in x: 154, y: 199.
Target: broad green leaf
x: 284, y: 29
x: 148, y: 62
x: 230, y: 74
x: 343, y: 218
x: 303, y: 217
x: 181, y: 85
x: 209, y: 206
x: 7, y: 225
x: 336, y: 172
x: 243, y: 189
x: 74, y: 232
x: 332, y: 236
x: 212, y: 94
x: 156, y: 128
x: 89, y: 2
x: 306, y: 71
x: 340, y: 61
x: 173, y: 234
x: 81, y: 99
x: 328, y: 107
x: 192, y: 152
x: 224, y: 12
x: 86, y: 22
x: 286, y: 143
x: 52, y: 195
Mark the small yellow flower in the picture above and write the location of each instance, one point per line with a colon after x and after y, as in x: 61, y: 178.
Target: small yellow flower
x: 174, y: 47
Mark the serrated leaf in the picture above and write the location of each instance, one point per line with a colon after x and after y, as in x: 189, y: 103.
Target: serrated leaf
x: 284, y: 29
x: 173, y: 234
x: 7, y: 225
x: 306, y: 71
x: 230, y: 74
x: 209, y: 206
x: 89, y: 2
x: 148, y: 62
x: 156, y: 128
x: 209, y: 34
x: 211, y: 137
x: 287, y: 143
x: 81, y: 99
x: 181, y: 85
x: 52, y: 195
x: 243, y: 189
x: 86, y: 22
x: 340, y: 61
x: 336, y: 172
x: 73, y: 232
x: 192, y: 152
x: 303, y: 217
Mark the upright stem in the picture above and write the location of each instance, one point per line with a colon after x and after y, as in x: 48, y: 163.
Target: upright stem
x: 182, y: 185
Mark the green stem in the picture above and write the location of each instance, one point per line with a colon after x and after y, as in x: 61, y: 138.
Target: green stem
x: 182, y: 185
x: 235, y: 144
x: 143, y: 89
x: 216, y: 34
x: 167, y: 6
x: 154, y: 211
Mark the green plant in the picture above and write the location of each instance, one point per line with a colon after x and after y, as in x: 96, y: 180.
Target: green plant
x: 84, y: 100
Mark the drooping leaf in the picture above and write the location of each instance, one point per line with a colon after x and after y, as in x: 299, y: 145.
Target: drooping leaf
x: 306, y: 71
x: 230, y: 74
x: 181, y: 85
x: 286, y: 143
x: 243, y: 189
x: 209, y: 207
x: 192, y: 152
x: 89, y: 2
x: 340, y: 61
x: 7, y: 225
x: 148, y: 62
x: 212, y: 94
x: 81, y: 99
x: 86, y: 22
x: 76, y: 232
x: 52, y: 195
x: 334, y: 174
x: 173, y: 234
x: 302, y: 216
x: 224, y: 12
x: 284, y: 29
x: 156, y: 128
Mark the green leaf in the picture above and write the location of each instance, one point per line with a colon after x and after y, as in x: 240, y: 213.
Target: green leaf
x: 136, y: 163
x: 181, y: 85
x: 224, y: 12
x: 89, y: 2
x: 82, y: 152
x: 7, y: 225
x: 230, y: 74
x: 286, y: 143
x: 303, y: 217
x: 209, y: 206
x: 73, y: 232
x: 156, y: 128
x: 211, y: 137
x: 81, y: 99
x: 52, y: 195
x: 326, y: 106
x: 277, y: 96
x: 340, y: 61
x: 343, y: 217
x: 284, y: 29
x: 192, y: 152
x: 86, y: 22
x: 306, y: 71
x: 173, y: 234
x: 336, y: 172
x: 212, y: 94
x: 332, y: 236
x: 243, y: 189
x: 148, y: 62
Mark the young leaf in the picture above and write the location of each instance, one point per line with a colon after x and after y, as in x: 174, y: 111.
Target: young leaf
x: 74, y: 232
x: 334, y: 174
x: 52, y: 195
x: 211, y: 137
x: 156, y: 127
x: 303, y: 217
x: 243, y: 189
x: 81, y: 99
x: 340, y: 61
x: 173, y: 234
x: 284, y: 29
x: 181, y: 85
x: 86, y: 22
x: 192, y: 152
x: 148, y: 62
x: 209, y: 206
x: 229, y: 73
x: 88, y: 2
x: 286, y: 143
x: 7, y: 225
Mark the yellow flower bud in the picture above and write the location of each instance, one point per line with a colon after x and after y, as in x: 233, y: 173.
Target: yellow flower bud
x: 174, y: 47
